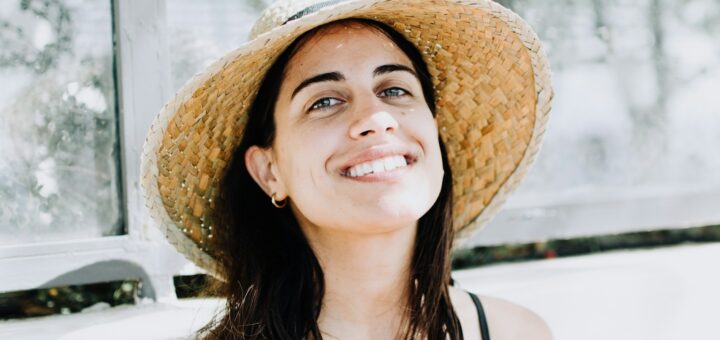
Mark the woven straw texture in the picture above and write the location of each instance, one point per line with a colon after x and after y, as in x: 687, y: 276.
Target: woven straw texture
x: 492, y: 84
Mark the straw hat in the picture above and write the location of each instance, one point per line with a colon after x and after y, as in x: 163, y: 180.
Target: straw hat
x: 491, y: 79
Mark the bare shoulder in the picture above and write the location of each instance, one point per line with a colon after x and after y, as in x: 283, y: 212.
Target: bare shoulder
x: 466, y: 313
x: 510, y: 321
x: 506, y: 320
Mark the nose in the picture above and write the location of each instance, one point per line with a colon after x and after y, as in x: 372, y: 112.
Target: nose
x: 376, y: 122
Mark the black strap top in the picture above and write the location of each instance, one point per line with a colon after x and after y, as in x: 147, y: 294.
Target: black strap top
x: 484, y: 331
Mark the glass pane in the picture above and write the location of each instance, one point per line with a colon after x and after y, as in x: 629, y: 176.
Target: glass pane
x: 58, y: 138
x: 203, y: 31
x: 636, y: 110
x: 636, y: 116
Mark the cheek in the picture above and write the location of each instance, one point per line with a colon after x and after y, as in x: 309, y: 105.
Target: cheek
x: 428, y: 134
x: 308, y: 180
x: 303, y: 157
x: 437, y: 166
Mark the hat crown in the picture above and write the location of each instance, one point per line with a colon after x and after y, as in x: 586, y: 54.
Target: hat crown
x: 282, y: 10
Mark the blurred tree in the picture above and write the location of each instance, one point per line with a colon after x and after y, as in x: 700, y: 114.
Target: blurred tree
x: 58, y: 166
x: 18, y: 49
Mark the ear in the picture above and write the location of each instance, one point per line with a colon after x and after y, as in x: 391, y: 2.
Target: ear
x: 260, y: 164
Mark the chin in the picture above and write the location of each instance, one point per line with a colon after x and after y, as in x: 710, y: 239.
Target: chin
x: 388, y: 216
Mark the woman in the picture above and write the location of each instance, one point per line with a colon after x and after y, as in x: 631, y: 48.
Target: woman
x: 308, y: 171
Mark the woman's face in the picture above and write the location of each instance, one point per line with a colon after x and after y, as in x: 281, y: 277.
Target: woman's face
x: 356, y: 146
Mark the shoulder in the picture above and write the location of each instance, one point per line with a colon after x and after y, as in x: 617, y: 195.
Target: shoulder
x: 504, y: 317
x: 506, y: 320
x: 466, y: 312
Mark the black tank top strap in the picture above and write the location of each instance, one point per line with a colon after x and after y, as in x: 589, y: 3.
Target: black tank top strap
x: 484, y: 331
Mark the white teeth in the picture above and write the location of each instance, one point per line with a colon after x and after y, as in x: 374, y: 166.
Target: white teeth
x: 365, y: 168
x: 389, y: 163
x: 377, y: 166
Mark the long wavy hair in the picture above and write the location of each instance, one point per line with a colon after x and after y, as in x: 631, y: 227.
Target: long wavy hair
x: 274, y: 283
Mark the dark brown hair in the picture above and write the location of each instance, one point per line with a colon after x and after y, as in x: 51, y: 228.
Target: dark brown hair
x: 274, y: 283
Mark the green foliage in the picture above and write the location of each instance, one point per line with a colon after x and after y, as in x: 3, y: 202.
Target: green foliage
x: 17, y: 45
x: 66, y: 300
x: 481, y: 256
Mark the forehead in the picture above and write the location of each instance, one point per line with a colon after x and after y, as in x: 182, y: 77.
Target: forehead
x: 342, y: 45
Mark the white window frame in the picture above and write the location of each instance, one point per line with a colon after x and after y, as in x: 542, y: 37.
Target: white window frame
x: 532, y: 219
x: 143, y: 87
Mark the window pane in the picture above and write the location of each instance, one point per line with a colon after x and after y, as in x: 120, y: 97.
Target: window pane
x: 203, y: 31
x: 636, y: 117
x: 58, y: 138
x: 635, y: 107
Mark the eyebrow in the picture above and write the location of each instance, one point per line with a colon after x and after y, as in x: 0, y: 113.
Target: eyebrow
x: 383, y: 69
x: 330, y: 76
x: 337, y: 76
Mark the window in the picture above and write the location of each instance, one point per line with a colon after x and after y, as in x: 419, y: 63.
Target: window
x: 201, y: 32
x: 59, y: 159
x: 70, y: 142
x: 633, y: 140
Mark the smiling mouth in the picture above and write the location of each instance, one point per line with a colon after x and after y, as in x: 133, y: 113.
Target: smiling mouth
x: 379, y: 166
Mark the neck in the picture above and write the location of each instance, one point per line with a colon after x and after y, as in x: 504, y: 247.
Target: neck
x: 366, y: 278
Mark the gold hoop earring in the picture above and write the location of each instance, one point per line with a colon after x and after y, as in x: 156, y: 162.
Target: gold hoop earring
x: 279, y: 205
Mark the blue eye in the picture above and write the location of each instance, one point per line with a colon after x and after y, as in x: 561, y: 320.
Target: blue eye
x: 324, y: 103
x: 393, y: 92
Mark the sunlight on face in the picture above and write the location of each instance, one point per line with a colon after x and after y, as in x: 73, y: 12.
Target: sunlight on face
x: 356, y: 146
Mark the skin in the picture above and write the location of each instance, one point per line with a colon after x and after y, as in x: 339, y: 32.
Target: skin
x: 362, y: 231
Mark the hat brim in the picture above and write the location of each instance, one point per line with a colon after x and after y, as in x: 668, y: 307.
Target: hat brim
x: 493, y: 95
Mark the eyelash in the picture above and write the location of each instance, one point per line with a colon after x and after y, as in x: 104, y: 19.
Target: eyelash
x: 322, y: 103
